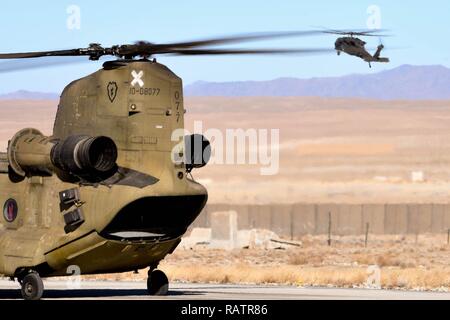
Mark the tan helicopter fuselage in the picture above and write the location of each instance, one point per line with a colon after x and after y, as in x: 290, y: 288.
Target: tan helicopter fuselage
x: 126, y: 226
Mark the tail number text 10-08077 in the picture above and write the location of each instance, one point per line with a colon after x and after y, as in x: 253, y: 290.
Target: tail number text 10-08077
x: 145, y: 91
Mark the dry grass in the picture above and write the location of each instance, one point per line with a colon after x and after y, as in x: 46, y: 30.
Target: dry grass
x: 403, y: 263
x: 288, y: 274
x: 325, y: 276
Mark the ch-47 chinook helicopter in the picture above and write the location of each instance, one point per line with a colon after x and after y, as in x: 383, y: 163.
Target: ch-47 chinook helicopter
x: 356, y: 47
x: 109, y: 190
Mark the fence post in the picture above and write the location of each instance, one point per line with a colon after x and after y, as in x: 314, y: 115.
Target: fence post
x: 329, y: 228
x: 367, y: 235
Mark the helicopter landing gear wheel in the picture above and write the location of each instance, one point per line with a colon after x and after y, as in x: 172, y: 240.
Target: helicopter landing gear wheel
x: 338, y: 53
x: 157, y: 283
x: 32, y: 286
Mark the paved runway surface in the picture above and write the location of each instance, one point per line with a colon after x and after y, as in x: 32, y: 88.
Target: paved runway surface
x: 137, y: 291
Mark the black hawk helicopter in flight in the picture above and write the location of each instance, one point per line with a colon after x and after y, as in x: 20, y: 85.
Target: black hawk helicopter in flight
x: 354, y: 46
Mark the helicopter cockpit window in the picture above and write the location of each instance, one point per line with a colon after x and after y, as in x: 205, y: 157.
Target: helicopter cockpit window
x: 10, y: 210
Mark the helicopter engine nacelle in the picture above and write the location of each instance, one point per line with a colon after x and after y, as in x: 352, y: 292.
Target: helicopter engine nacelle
x: 30, y: 153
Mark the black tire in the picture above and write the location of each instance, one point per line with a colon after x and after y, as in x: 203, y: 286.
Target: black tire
x: 32, y: 286
x: 157, y: 283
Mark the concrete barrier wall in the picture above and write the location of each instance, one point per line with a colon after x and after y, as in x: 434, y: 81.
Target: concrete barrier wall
x: 396, y: 219
x: 294, y: 220
x: 303, y: 219
x: 373, y: 214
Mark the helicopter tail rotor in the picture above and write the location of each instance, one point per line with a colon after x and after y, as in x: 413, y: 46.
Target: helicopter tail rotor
x: 377, y: 53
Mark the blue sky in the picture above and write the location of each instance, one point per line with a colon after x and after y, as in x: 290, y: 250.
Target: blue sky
x: 420, y: 31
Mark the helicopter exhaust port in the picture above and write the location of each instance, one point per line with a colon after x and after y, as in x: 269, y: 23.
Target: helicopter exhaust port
x: 85, y: 155
x: 30, y: 153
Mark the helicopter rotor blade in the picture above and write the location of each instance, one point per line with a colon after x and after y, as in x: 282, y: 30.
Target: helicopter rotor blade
x: 364, y: 34
x: 357, y: 32
x: 236, y: 39
x: 143, y: 48
x: 36, y: 63
x: 195, y: 52
x: 40, y: 54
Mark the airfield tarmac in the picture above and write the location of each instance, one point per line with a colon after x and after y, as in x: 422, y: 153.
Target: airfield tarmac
x: 124, y: 290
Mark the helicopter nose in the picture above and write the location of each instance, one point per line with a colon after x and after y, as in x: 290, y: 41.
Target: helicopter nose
x: 337, y: 45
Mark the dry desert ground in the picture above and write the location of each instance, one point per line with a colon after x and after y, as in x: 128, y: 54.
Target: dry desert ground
x: 330, y: 150
x: 390, y: 262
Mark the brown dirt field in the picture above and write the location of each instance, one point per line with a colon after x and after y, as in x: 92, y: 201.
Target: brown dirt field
x: 19, y: 114
x: 334, y: 150
x: 331, y: 150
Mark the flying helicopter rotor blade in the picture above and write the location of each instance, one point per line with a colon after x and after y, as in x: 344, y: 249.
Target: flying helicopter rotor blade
x: 40, y: 54
x: 36, y: 63
x: 143, y: 47
x: 364, y: 34
x: 235, y: 39
x: 53, y: 61
x: 357, y: 32
x: 194, y: 52
x: 94, y: 51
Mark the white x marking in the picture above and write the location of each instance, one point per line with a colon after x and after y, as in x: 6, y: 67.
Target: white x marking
x: 137, y: 78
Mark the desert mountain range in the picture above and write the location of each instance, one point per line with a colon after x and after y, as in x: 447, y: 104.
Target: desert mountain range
x: 404, y: 82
